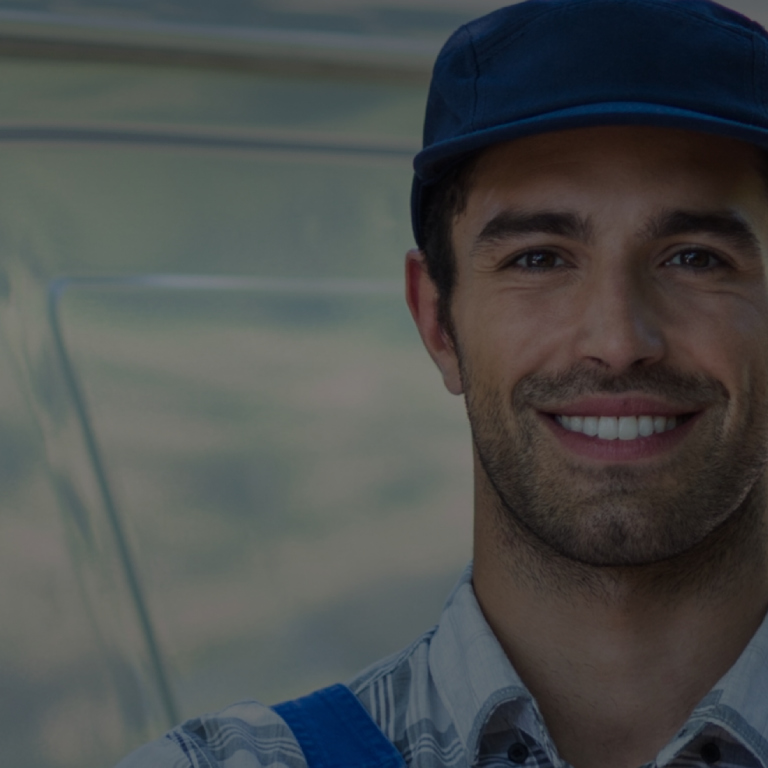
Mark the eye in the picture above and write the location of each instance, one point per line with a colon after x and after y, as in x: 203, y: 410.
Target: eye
x: 538, y: 260
x: 695, y: 259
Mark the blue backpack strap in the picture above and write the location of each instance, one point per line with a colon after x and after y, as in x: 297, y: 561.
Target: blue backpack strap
x: 334, y: 730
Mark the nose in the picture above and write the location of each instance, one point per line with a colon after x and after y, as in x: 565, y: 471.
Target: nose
x: 618, y: 324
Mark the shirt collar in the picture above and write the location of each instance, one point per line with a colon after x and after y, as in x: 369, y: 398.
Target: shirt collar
x: 737, y: 703
x: 474, y: 676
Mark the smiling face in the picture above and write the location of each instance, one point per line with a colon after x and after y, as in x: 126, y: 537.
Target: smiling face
x: 611, y: 337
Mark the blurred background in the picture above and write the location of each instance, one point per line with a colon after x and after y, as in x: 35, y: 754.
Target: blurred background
x: 227, y: 468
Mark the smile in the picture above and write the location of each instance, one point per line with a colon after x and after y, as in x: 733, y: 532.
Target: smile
x: 622, y: 427
x: 619, y: 438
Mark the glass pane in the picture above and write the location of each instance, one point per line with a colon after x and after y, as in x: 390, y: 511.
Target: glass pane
x: 71, y: 693
x: 103, y: 95
x: 287, y: 469
x: 206, y: 211
x: 296, y: 479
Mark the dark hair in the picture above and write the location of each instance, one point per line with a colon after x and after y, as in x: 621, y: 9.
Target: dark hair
x: 443, y: 203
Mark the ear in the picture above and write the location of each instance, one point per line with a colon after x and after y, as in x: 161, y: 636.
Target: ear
x: 422, y: 297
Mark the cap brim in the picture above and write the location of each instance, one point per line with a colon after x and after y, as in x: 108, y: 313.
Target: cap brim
x: 432, y: 163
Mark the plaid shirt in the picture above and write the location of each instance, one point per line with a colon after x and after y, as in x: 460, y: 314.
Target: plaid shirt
x: 453, y: 699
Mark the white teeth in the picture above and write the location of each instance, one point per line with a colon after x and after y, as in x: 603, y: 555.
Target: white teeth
x: 627, y: 427
x: 621, y: 428
x: 591, y: 426
x: 608, y: 428
x: 645, y: 426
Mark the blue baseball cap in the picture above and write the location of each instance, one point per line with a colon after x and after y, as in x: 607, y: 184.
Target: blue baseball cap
x: 550, y: 65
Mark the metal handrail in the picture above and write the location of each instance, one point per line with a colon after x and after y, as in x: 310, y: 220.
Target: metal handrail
x: 174, y: 137
x: 27, y: 33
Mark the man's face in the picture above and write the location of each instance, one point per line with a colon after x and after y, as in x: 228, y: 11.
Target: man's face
x: 611, y: 336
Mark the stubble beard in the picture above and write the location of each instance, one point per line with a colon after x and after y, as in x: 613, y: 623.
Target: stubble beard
x: 706, y: 503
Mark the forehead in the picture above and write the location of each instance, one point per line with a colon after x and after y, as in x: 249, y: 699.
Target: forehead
x: 657, y: 161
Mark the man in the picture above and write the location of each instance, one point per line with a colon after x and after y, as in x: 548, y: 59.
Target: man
x: 591, y: 209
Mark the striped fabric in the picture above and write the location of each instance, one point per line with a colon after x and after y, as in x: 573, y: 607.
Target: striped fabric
x: 453, y: 699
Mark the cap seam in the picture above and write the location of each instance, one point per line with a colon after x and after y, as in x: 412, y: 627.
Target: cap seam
x: 764, y: 51
x: 760, y: 58
x: 756, y: 91
x: 505, y: 41
x: 475, y: 81
x: 725, y: 26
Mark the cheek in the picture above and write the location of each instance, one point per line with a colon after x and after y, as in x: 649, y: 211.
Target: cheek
x: 725, y: 337
x: 510, y: 334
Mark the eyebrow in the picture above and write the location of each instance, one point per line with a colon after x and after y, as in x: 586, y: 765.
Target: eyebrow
x: 510, y: 223
x: 727, y: 225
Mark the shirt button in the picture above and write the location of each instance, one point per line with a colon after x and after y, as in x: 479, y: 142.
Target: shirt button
x: 710, y: 753
x: 518, y: 752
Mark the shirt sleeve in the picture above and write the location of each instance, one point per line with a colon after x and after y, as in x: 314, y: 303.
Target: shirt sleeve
x: 162, y: 753
x: 245, y: 735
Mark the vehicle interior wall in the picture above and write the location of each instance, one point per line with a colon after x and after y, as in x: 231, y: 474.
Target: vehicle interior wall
x: 249, y: 482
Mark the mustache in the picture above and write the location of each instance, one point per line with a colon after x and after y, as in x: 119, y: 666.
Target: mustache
x: 691, y: 390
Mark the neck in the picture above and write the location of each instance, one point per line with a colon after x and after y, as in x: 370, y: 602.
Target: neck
x: 644, y: 643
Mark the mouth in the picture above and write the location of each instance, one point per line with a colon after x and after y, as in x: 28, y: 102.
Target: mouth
x: 621, y: 427
x: 612, y: 439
